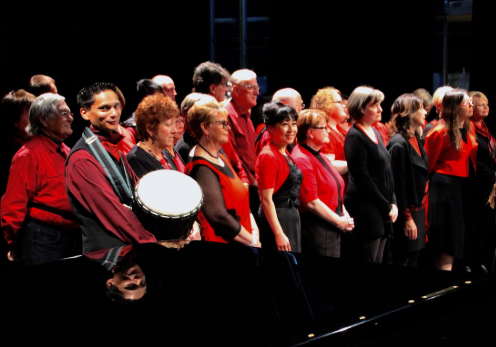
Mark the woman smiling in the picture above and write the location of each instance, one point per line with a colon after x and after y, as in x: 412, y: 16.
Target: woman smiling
x: 279, y: 181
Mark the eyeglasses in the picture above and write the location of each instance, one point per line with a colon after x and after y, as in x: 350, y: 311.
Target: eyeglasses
x: 469, y: 102
x: 251, y: 87
x: 224, y: 123
x: 66, y: 114
x: 482, y: 105
x: 321, y: 128
x: 339, y: 102
x: 178, y: 123
x: 225, y: 84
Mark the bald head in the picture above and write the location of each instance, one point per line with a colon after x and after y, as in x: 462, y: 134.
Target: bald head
x: 290, y: 97
x: 167, y: 85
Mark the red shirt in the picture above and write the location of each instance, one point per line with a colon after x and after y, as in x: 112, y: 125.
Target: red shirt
x: 382, y: 129
x: 242, y: 136
x: 335, y: 145
x: 88, y: 183
x: 236, y: 162
x: 444, y: 158
x: 317, y: 183
x: 178, y: 162
x: 36, y: 177
x: 128, y: 141
x: 271, y: 168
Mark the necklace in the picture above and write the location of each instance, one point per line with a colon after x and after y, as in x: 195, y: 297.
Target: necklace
x: 151, y: 152
x: 216, y: 156
x: 173, y: 155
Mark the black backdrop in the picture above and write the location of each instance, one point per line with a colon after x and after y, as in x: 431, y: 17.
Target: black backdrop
x: 385, y: 44
x: 388, y: 45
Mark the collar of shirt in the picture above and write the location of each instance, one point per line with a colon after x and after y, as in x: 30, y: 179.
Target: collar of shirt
x: 310, y: 149
x: 109, y: 141
x: 55, y: 145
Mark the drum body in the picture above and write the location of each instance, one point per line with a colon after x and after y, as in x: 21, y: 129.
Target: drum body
x: 167, y: 202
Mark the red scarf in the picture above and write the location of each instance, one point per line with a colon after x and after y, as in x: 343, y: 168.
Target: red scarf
x: 484, y: 131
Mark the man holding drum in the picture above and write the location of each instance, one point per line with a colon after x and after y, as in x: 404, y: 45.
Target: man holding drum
x: 99, y: 180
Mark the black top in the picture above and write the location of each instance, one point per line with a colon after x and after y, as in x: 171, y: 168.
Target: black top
x: 370, y: 173
x: 410, y: 170
x: 142, y: 162
x: 184, y: 145
x: 214, y: 207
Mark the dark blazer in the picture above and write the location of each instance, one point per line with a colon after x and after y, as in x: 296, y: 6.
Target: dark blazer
x: 410, y: 171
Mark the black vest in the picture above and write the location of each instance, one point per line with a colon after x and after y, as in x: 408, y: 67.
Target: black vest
x: 95, y: 236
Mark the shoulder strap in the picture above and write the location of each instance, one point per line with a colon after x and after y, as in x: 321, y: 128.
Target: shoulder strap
x: 121, y: 185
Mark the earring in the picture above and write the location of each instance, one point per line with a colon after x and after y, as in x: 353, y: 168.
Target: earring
x: 208, y: 139
x: 153, y: 142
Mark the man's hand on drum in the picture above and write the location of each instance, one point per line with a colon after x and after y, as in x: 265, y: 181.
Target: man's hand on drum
x: 195, y: 232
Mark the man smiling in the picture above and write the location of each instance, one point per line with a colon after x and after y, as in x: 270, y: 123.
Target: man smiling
x: 99, y: 179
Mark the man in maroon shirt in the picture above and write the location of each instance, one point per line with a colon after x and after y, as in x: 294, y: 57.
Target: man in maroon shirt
x: 36, y: 201
x: 244, y: 92
x: 96, y: 197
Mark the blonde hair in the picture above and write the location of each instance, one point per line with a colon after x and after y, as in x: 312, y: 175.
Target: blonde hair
x: 308, y: 119
x: 325, y: 99
x: 203, y: 113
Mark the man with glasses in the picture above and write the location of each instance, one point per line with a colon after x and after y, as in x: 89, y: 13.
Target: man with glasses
x: 211, y: 78
x: 99, y: 180
x: 244, y: 92
x: 35, y: 202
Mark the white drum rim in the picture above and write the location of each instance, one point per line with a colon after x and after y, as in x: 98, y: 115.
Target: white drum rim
x: 161, y: 175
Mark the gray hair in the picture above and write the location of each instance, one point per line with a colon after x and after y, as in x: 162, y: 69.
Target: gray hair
x: 44, y: 105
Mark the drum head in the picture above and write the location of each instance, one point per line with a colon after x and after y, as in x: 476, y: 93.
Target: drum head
x: 169, y: 193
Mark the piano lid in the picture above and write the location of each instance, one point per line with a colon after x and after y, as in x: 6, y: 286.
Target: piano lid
x: 202, y: 293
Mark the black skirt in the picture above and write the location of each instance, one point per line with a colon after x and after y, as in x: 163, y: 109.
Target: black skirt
x: 319, y: 237
x: 450, y: 214
x: 400, y: 243
x: 289, y: 218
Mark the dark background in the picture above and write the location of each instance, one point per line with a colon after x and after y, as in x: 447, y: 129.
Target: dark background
x: 392, y: 46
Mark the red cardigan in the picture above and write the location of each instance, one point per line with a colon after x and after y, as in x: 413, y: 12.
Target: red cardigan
x: 271, y: 168
x: 318, y: 183
x: 444, y: 158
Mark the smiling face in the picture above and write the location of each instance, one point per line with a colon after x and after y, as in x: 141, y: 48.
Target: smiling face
x: 319, y: 134
x: 283, y: 133
x: 338, y: 110
x: 105, y: 112
x: 59, y: 125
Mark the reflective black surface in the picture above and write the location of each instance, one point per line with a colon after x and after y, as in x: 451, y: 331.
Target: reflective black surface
x: 210, y: 294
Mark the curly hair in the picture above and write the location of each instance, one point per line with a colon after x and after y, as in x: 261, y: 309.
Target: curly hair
x: 153, y: 110
x: 325, y: 99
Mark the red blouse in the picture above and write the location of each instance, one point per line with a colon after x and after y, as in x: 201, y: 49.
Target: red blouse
x: 318, y: 183
x: 444, y: 158
x: 335, y: 145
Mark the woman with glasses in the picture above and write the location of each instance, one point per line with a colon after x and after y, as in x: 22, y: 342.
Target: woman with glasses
x: 329, y: 100
x: 486, y: 172
x: 452, y: 150
x: 279, y: 180
x: 410, y: 171
x: 322, y: 212
x: 157, y: 118
x: 370, y: 195
x: 225, y: 214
